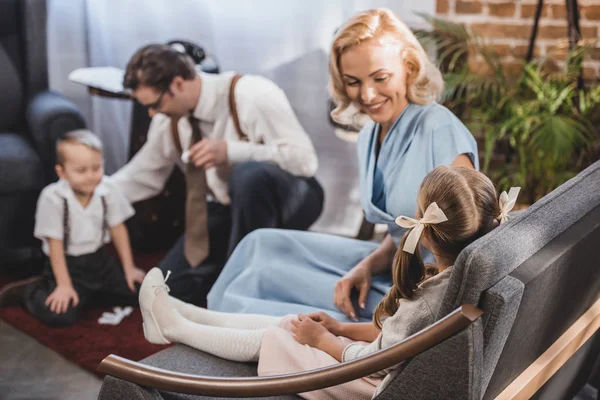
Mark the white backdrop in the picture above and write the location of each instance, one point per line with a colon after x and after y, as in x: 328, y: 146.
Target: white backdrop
x: 286, y: 41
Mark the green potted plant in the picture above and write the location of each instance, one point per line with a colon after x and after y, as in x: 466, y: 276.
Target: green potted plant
x: 538, y: 122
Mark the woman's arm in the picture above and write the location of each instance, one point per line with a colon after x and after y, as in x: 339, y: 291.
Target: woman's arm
x: 359, y: 277
x: 463, y: 161
x: 381, y: 259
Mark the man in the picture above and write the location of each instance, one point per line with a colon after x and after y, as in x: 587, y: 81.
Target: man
x: 241, y: 148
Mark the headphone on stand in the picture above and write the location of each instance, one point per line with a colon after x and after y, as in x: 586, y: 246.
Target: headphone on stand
x: 207, y: 63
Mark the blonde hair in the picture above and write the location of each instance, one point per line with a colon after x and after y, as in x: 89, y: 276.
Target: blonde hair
x: 81, y: 136
x: 468, y: 198
x: 425, y: 83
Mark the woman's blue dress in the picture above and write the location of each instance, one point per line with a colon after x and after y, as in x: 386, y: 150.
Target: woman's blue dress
x: 278, y: 272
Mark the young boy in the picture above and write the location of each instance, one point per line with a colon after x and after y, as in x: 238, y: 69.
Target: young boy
x: 75, y: 217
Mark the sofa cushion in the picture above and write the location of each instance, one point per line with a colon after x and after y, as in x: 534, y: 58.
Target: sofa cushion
x: 178, y: 358
x: 20, y: 167
x: 11, y: 63
x: 11, y: 85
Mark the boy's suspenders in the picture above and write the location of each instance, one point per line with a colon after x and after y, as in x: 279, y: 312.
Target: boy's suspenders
x: 67, y: 225
x: 232, y: 111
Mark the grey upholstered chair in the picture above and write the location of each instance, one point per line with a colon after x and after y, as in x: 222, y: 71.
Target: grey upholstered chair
x: 537, y: 281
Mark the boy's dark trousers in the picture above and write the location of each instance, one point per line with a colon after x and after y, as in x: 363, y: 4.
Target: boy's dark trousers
x: 262, y: 196
x: 95, y: 277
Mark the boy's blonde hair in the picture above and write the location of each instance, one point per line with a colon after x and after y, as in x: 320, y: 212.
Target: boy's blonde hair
x: 81, y: 136
x: 468, y: 199
x: 425, y: 83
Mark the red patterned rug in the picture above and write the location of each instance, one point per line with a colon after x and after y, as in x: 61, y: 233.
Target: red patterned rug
x: 87, y: 342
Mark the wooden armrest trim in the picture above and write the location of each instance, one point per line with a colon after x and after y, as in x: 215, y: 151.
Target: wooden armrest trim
x: 291, y: 383
x: 542, y: 369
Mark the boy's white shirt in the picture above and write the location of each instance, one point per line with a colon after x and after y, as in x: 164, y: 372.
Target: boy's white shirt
x: 85, y: 223
x: 265, y: 116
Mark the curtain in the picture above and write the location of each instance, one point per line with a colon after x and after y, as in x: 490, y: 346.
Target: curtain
x: 286, y: 41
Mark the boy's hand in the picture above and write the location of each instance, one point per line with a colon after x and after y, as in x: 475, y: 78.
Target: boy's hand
x: 308, y: 331
x: 61, y: 297
x: 133, y: 275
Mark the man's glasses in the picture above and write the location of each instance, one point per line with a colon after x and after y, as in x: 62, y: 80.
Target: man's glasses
x: 156, y: 105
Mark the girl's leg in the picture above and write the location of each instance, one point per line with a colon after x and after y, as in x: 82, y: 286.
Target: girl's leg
x: 154, y: 281
x: 235, y: 337
x: 165, y: 323
x: 220, y: 319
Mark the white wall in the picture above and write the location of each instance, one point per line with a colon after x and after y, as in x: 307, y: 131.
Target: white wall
x: 285, y: 40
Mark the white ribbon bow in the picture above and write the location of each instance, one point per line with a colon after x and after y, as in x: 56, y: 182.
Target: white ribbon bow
x: 507, y: 203
x: 433, y: 215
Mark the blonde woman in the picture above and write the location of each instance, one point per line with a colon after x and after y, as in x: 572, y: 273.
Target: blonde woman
x: 378, y: 68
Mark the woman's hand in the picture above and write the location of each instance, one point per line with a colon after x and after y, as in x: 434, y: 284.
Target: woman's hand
x: 331, y: 324
x: 308, y: 331
x: 358, y: 277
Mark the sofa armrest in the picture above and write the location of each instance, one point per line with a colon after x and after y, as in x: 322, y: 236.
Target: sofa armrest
x: 292, y: 383
x: 50, y: 115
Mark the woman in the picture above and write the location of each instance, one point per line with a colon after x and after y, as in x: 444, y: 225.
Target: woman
x: 378, y: 67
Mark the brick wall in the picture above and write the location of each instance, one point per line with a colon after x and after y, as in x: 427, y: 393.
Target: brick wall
x: 507, y: 26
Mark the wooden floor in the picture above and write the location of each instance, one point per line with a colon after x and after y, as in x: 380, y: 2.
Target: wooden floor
x: 29, y: 370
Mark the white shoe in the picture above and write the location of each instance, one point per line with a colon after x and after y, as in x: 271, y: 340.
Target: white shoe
x: 152, y: 285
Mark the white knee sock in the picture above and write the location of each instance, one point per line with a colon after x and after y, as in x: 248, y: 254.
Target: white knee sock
x: 223, y: 319
x: 241, y: 345
x: 233, y: 344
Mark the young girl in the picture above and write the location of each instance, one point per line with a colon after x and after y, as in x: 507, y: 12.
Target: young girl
x: 75, y: 217
x: 455, y: 206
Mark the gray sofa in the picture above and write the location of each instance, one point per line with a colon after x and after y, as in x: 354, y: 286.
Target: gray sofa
x: 532, y: 277
x: 31, y: 119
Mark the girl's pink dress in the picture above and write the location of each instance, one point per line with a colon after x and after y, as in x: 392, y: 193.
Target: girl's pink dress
x: 281, y: 354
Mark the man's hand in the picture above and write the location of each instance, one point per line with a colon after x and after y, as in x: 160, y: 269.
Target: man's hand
x: 208, y: 153
x: 61, y: 297
x: 308, y: 331
x: 133, y: 275
x: 358, y: 277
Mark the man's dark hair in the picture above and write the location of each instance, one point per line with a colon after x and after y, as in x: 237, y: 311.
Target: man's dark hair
x: 155, y: 65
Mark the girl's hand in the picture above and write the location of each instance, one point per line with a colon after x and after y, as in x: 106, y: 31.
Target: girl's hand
x: 358, y: 277
x: 308, y: 331
x: 329, y: 323
x: 133, y: 275
x: 61, y: 297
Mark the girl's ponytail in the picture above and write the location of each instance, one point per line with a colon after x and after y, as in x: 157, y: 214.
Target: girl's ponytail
x: 407, y: 271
